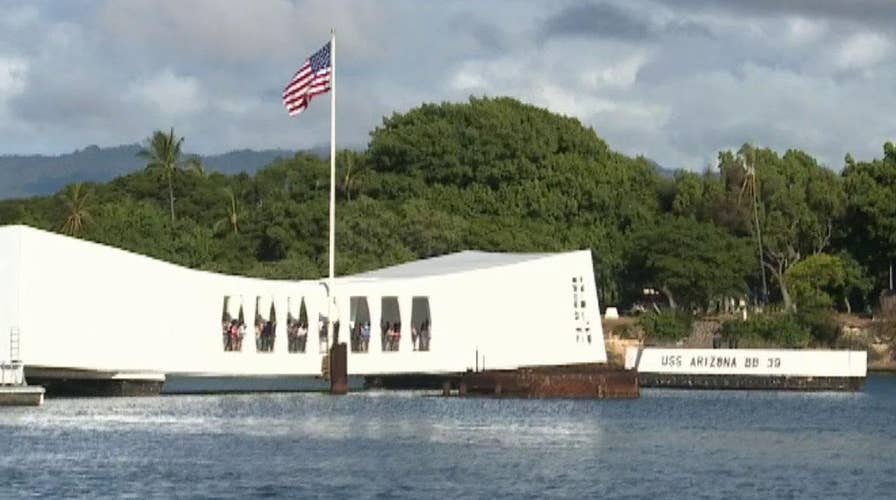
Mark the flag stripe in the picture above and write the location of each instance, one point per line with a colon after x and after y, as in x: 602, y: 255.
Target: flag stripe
x: 297, y: 81
x: 304, y: 84
x: 307, y: 91
x: 300, y: 105
x: 307, y: 95
x: 313, y: 78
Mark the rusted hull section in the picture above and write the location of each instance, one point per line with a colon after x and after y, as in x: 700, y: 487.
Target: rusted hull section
x: 552, y: 382
x: 338, y: 369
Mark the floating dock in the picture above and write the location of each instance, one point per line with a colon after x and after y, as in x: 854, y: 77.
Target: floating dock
x: 13, y: 389
x: 23, y: 395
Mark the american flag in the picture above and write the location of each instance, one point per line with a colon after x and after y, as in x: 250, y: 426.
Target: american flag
x: 311, y: 79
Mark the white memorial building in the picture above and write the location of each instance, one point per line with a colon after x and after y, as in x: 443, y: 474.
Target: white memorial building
x: 89, y: 311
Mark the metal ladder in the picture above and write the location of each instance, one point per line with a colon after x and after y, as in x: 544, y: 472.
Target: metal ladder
x: 11, y: 372
x: 15, y: 345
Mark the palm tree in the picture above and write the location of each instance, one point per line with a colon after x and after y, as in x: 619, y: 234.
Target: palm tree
x: 163, y: 154
x: 233, y: 213
x: 352, y: 167
x: 77, y: 208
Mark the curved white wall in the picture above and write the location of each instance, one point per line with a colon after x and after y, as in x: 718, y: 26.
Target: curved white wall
x: 88, y: 306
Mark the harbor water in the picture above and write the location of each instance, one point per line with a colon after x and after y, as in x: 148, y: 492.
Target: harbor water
x: 667, y: 444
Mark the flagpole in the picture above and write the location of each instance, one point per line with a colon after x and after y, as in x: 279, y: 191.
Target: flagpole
x: 332, y: 251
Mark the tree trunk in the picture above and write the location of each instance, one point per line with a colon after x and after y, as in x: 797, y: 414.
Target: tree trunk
x: 669, y: 297
x: 171, y: 196
x: 847, y: 304
x: 778, y: 272
x: 785, y: 294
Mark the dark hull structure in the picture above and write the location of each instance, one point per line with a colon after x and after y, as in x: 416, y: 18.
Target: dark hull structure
x: 194, y: 384
x: 67, y: 382
x: 74, y: 387
x: 751, y: 382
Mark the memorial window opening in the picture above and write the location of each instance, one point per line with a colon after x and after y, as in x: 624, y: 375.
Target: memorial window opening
x: 265, y: 324
x: 297, y: 326
x: 323, y: 339
x: 233, y: 325
x: 421, y: 323
x: 390, y: 324
x: 322, y: 321
x: 359, y: 324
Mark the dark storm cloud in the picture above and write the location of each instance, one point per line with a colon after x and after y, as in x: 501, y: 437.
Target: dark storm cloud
x: 879, y: 13
x: 687, y: 29
x: 596, y: 19
x: 606, y: 20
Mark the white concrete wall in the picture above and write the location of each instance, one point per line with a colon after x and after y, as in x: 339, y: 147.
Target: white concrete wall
x: 515, y: 315
x: 9, y: 289
x: 89, y: 306
x: 792, y: 362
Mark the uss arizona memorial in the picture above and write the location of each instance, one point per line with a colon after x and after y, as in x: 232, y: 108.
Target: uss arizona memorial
x: 89, y: 312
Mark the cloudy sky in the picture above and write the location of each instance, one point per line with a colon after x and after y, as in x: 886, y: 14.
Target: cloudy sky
x: 674, y: 80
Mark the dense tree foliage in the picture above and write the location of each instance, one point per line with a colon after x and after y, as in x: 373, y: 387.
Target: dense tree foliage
x: 691, y: 262
x: 797, y: 203
x: 500, y: 175
x: 869, y: 225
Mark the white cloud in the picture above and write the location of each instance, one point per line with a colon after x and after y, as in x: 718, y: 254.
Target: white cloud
x: 13, y: 77
x: 169, y: 94
x: 701, y: 80
x: 863, y: 50
x: 803, y: 31
x: 467, y: 80
x: 563, y: 100
x: 620, y: 74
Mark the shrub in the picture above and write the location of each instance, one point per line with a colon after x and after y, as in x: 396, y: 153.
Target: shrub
x: 739, y: 331
x: 783, y: 330
x: 627, y: 331
x: 822, y: 325
x: 789, y: 331
x: 666, y: 325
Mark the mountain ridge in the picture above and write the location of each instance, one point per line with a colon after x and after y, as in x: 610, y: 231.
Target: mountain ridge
x: 35, y: 175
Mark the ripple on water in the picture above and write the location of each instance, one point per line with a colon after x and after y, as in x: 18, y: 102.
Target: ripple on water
x: 706, y: 444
